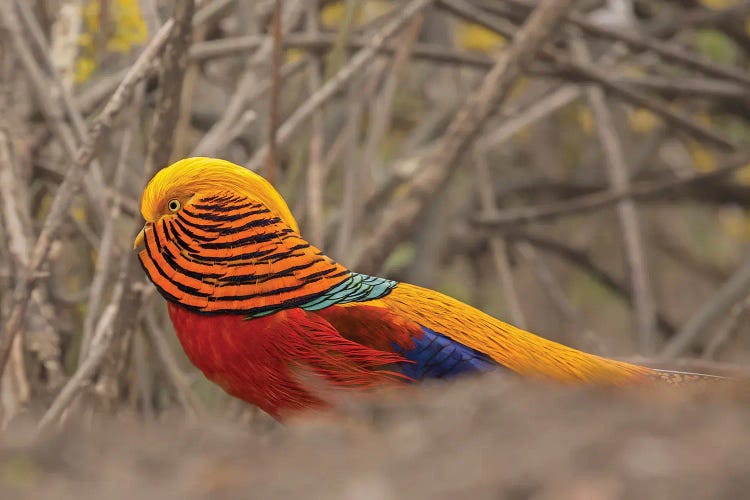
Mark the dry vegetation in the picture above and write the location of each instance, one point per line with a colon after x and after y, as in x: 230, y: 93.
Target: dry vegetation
x: 578, y: 168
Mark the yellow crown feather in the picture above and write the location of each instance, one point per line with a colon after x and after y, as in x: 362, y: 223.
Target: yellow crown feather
x: 185, y: 178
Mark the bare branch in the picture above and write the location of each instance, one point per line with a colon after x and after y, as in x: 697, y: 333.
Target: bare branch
x: 105, y: 251
x: 177, y: 378
x: 619, y: 180
x: 568, y: 68
x: 641, y: 41
x: 341, y: 78
x: 274, y: 102
x: 100, y: 343
x: 315, y: 179
x: 219, y: 134
x: 172, y: 72
x: 734, y: 290
x: 73, y: 177
x: 592, y: 202
x: 498, y: 246
x: 442, y: 162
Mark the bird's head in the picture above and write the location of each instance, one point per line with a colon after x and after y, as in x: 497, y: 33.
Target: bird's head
x: 177, y: 185
x: 219, y: 239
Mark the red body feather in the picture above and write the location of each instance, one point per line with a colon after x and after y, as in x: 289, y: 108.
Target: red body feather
x: 263, y: 360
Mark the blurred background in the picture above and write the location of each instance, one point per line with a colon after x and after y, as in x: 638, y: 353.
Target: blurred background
x: 602, y: 203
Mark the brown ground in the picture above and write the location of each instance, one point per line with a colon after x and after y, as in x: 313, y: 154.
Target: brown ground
x: 485, y: 438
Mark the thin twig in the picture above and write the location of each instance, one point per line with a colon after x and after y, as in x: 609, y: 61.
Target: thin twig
x: 100, y: 343
x: 735, y: 289
x: 182, y: 135
x: 688, y: 87
x: 583, y: 261
x: 105, y: 251
x: 171, y: 75
x: 272, y: 164
x: 382, y: 105
x: 353, y: 172
x: 498, y: 246
x: 726, y: 330
x: 16, y: 222
x: 179, y: 380
x: 143, y: 376
x: 315, y: 179
x: 536, y: 111
x: 322, y: 42
x: 337, y: 55
x: 553, y: 289
x: 16, y: 226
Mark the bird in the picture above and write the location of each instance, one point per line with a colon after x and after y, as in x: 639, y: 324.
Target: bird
x: 255, y: 306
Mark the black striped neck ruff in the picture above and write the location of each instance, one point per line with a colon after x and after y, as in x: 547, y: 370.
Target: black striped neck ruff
x: 223, y: 253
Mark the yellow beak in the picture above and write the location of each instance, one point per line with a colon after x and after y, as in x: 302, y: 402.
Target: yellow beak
x: 138, y: 243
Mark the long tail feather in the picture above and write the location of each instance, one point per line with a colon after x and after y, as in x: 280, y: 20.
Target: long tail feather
x: 519, y: 350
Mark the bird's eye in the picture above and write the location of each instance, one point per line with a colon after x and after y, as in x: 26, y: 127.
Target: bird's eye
x: 173, y: 205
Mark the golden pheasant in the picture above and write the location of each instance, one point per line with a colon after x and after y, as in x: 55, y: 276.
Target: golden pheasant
x: 252, y: 301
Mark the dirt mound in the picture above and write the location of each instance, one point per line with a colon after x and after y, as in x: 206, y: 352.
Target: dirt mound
x: 484, y: 438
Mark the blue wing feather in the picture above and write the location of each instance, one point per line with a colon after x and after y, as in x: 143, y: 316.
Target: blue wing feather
x: 437, y: 356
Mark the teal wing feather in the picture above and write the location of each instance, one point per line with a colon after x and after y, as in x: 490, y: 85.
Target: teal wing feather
x: 358, y: 288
